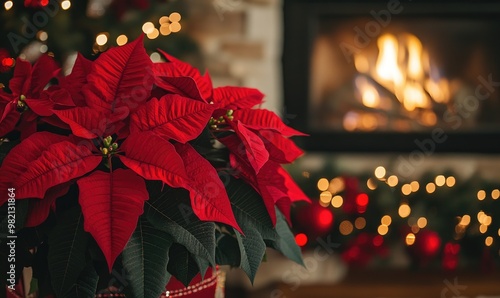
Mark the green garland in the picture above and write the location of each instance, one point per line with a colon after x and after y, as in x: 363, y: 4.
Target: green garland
x: 462, y: 213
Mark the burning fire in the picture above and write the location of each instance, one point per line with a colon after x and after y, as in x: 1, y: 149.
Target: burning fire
x: 401, y: 73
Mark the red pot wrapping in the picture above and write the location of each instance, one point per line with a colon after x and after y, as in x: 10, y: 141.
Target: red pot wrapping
x: 210, y: 287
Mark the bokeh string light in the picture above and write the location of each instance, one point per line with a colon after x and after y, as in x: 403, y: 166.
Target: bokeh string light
x: 8, y: 5
x: 61, y: 29
x: 352, y: 203
x: 65, y: 5
x: 167, y: 25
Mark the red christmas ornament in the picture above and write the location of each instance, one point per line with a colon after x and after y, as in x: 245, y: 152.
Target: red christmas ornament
x: 350, y: 195
x: 6, y: 62
x: 36, y: 3
x: 363, y: 249
x: 361, y: 202
x: 325, y: 219
x: 450, y: 256
x: 301, y: 239
x: 487, y: 261
x: 314, y: 220
x: 427, y: 245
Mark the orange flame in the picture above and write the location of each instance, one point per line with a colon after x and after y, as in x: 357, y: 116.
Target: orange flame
x: 403, y: 67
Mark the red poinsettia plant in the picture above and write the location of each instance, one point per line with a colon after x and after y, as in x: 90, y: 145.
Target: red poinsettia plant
x: 141, y: 168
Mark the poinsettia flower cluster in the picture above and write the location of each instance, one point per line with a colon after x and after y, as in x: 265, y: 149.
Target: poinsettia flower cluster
x: 120, y: 120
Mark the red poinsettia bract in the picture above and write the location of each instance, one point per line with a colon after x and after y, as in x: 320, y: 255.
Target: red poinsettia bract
x: 259, y: 142
x: 28, y: 87
x: 131, y: 120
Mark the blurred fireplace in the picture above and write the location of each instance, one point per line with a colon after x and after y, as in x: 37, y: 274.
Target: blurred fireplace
x: 381, y: 75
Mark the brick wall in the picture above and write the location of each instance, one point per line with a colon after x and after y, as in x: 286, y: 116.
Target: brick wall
x: 240, y: 41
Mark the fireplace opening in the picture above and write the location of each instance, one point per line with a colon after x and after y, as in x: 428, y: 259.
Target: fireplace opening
x: 416, y: 74
x: 393, y: 75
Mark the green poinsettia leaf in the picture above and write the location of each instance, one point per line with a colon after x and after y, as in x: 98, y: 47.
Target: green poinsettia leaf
x: 170, y: 211
x: 86, y: 284
x: 249, y: 209
x: 252, y: 216
x: 32, y: 237
x: 67, y: 247
x: 203, y: 142
x: 5, y: 147
x: 203, y: 265
x: 40, y: 268
x: 145, y: 259
x: 228, y: 250
x: 285, y: 243
x: 19, y: 217
x: 252, y: 250
x: 182, y: 265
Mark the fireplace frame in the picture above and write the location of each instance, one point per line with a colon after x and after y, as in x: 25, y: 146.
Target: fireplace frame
x: 300, y: 25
